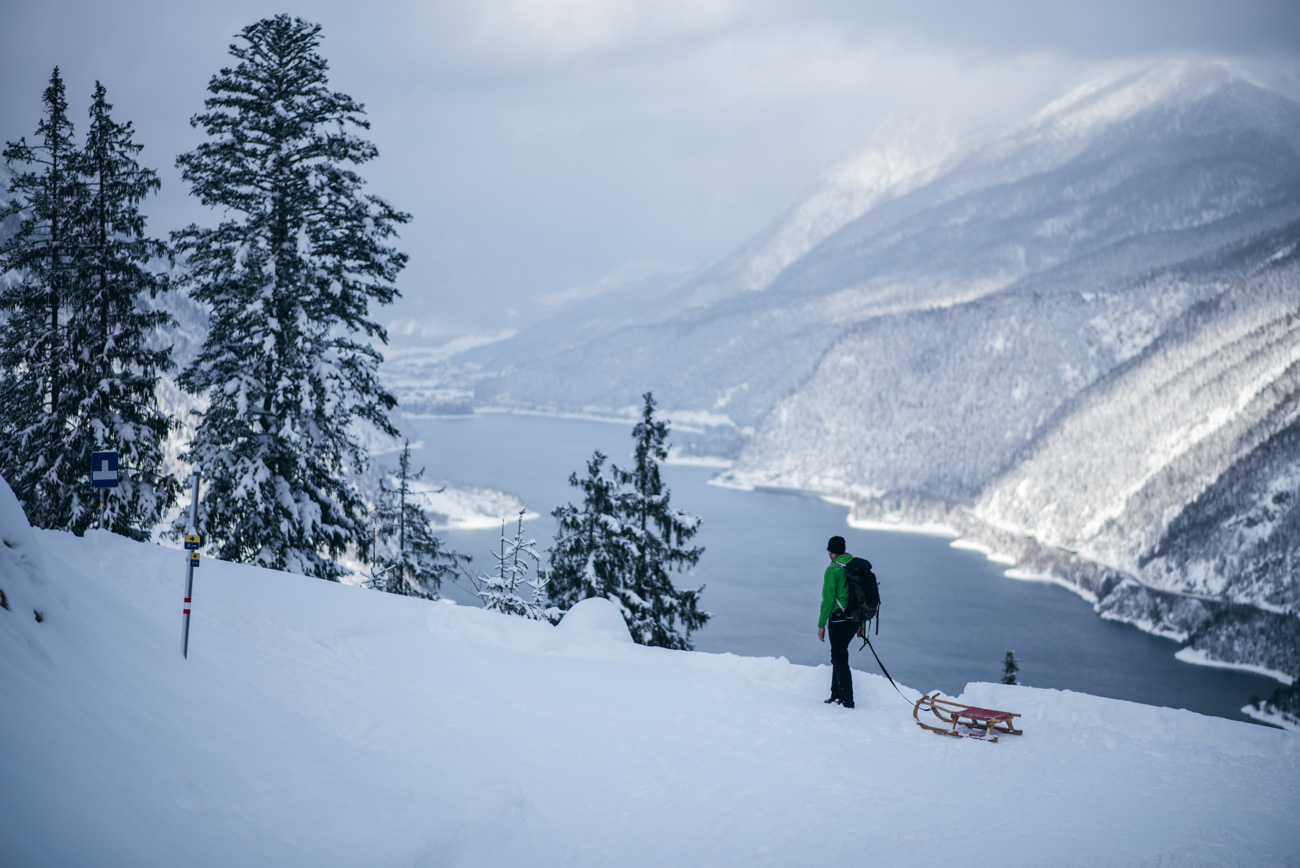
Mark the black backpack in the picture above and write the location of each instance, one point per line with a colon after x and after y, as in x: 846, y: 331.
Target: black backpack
x: 864, y: 592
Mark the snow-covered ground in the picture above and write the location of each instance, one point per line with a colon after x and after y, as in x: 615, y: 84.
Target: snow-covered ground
x: 320, y: 724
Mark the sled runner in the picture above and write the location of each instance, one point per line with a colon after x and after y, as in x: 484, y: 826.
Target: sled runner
x: 964, y: 720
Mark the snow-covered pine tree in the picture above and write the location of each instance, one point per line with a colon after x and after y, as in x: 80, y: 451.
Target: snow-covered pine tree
x: 657, y: 612
x: 501, y: 591
x: 539, y: 608
x: 626, y: 540
x: 591, y: 551
x: 407, y: 558
x: 118, y: 363
x: 38, y: 264
x: 1009, y: 668
x: 80, y: 374
x: 289, y: 275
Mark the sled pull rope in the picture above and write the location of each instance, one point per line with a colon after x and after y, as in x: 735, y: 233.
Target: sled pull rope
x: 866, y: 642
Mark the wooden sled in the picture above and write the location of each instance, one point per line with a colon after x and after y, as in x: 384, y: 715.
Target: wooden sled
x: 964, y: 720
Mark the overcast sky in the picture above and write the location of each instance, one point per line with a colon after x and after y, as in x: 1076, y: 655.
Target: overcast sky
x: 542, y: 145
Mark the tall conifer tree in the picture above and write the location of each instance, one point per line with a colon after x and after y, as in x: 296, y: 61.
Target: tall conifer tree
x: 80, y: 371
x: 658, y: 613
x: 590, y: 553
x: 625, y: 542
x: 113, y: 336
x: 38, y: 264
x: 290, y: 275
x: 407, y: 558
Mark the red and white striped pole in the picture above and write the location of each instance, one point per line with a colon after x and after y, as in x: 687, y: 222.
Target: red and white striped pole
x: 192, y: 543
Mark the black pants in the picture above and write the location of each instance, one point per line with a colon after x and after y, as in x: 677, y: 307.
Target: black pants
x: 841, y: 633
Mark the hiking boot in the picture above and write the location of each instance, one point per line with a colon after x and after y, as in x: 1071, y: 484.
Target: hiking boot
x: 829, y: 701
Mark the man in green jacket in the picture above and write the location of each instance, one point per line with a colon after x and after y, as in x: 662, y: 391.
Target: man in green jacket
x: 835, y: 602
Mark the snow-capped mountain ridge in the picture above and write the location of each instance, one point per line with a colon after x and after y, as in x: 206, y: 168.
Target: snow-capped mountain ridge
x: 1065, y: 189
x: 1097, y: 105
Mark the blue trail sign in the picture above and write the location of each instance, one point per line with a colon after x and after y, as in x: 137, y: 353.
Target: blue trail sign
x: 103, y: 469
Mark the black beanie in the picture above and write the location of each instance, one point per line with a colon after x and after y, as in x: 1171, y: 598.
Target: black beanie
x: 836, y: 545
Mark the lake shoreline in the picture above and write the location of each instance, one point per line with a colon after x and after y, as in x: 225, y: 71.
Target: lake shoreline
x: 1063, y: 568
x: 757, y: 601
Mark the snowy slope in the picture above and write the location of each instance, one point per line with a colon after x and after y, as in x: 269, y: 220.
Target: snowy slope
x: 317, y: 724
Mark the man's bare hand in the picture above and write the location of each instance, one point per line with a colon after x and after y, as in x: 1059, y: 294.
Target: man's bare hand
x: 821, y: 634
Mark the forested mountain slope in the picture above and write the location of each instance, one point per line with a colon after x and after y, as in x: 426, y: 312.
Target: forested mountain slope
x: 1181, y: 470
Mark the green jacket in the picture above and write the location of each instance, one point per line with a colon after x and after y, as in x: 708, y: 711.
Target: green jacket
x: 835, y: 588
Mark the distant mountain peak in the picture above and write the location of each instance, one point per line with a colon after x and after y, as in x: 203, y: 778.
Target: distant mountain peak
x: 907, y: 154
x: 1104, y: 102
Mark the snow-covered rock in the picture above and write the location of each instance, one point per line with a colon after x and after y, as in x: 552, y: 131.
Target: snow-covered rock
x: 24, y: 586
x: 596, y: 616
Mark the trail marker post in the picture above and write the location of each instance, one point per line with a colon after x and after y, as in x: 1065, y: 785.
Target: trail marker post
x: 103, y: 476
x: 193, y: 540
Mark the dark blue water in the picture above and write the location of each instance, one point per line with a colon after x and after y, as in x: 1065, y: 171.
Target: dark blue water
x: 948, y: 616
